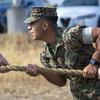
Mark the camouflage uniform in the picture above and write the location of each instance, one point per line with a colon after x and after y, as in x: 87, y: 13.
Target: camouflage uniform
x: 70, y: 52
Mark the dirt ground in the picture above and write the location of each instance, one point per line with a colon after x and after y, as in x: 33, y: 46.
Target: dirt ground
x: 28, y: 88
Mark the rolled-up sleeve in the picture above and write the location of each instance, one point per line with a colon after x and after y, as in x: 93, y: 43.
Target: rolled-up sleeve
x: 87, y: 35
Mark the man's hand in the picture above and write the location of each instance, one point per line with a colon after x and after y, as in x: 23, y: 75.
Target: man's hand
x: 3, y: 60
x: 90, y: 71
x: 99, y: 72
x: 3, y: 63
x: 32, y: 70
x: 4, y: 69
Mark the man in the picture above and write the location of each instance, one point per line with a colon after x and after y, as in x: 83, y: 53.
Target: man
x: 66, y: 48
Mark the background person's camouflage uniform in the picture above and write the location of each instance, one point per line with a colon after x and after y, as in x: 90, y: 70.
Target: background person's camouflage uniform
x: 70, y: 52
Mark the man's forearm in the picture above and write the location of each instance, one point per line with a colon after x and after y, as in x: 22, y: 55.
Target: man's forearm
x: 96, y: 55
x: 95, y: 33
x: 96, y: 39
x: 53, y: 77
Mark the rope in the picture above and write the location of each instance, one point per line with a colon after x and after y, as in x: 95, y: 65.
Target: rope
x: 70, y: 73
x: 67, y: 72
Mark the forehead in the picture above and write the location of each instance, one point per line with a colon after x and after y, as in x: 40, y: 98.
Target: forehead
x: 34, y: 23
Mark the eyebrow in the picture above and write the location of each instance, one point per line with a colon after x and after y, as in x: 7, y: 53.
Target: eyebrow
x: 32, y: 23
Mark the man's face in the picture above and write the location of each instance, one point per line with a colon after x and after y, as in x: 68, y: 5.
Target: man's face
x: 36, y: 30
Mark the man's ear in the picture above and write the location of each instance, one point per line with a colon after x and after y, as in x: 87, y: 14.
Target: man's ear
x: 45, y: 25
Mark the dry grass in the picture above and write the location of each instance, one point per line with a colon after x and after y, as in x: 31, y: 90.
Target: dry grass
x: 22, y: 50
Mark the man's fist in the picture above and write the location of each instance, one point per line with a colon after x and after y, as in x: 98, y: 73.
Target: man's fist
x: 3, y: 60
x: 99, y: 73
x: 90, y: 71
x: 4, y: 69
x: 32, y: 70
x: 3, y: 63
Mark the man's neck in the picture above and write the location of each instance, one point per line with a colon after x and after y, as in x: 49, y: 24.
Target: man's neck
x: 50, y: 38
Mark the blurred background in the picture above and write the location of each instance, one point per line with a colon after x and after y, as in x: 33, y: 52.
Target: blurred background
x: 70, y: 12
x: 19, y: 48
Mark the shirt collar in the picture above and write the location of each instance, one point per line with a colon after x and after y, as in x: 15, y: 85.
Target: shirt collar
x: 58, y: 41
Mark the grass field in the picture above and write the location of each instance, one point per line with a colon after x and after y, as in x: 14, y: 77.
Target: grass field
x: 22, y: 50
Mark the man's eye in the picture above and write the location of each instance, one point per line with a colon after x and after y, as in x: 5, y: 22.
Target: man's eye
x: 32, y: 23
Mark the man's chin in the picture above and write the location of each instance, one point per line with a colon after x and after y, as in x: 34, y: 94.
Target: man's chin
x: 34, y: 38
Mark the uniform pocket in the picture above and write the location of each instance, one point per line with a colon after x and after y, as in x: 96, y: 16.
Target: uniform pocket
x: 71, y: 59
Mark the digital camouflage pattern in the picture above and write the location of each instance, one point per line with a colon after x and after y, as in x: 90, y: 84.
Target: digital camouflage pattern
x: 41, y: 12
x: 44, y: 11
x: 70, y: 52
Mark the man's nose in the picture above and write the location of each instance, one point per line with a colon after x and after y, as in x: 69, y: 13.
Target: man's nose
x: 29, y: 27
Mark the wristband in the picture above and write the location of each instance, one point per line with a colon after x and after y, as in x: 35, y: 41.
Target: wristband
x: 94, y: 62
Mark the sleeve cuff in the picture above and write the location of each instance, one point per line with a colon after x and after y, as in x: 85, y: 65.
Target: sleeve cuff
x: 87, y: 35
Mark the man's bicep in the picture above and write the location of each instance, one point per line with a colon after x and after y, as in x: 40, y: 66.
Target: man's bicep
x: 98, y: 43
